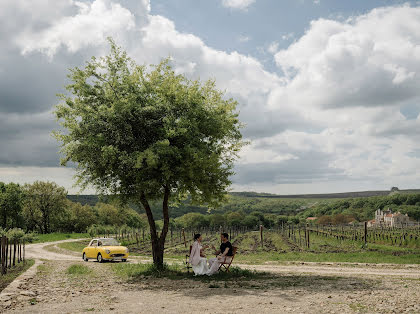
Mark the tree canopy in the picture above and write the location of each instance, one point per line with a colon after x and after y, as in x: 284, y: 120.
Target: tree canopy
x: 146, y: 133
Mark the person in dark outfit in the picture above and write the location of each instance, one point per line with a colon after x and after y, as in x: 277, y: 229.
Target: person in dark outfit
x: 223, y: 255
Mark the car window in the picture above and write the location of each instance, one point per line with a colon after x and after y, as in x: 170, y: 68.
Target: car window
x: 99, y: 243
x: 94, y: 243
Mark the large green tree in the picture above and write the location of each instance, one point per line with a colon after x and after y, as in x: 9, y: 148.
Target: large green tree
x: 146, y: 133
x: 11, y: 197
x: 43, y: 205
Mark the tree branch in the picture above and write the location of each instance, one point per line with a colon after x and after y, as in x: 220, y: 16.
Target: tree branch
x: 106, y: 81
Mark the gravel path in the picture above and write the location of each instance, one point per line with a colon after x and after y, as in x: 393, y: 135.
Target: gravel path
x: 39, y: 251
x: 298, y: 288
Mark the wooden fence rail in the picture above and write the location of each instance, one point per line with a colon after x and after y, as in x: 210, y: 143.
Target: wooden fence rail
x: 12, y: 252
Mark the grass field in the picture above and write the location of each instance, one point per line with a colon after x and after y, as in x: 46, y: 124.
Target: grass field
x: 277, y: 248
x: 76, y: 246
x: 51, y: 237
x: 14, y: 272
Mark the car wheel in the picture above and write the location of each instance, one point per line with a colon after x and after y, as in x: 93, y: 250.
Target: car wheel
x: 124, y: 260
x: 85, y: 258
x: 99, y: 258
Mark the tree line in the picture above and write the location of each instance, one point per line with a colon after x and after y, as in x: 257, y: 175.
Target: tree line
x: 43, y: 207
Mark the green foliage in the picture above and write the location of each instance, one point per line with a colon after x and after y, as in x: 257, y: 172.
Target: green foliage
x: 15, y: 234
x: 14, y: 272
x: 146, y: 133
x: 43, y: 205
x: 75, y: 217
x: 41, y: 238
x: 193, y: 221
x: 132, y: 129
x: 77, y: 270
x: 11, y: 197
x: 118, y: 215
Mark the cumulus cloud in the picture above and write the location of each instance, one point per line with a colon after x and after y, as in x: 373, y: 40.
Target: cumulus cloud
x: 273, y: 47
x: 92, y: 24
x: 237, y: 4
x: 369, y: 60
x: 334, y: 115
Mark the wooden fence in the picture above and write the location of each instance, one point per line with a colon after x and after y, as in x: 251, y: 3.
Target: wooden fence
x: 12, y: 252
x: 297, y: 235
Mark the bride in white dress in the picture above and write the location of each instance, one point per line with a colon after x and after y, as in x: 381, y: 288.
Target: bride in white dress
x: 198, y: 260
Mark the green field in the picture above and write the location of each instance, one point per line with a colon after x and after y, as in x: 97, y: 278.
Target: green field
x: 51, y: 237
x: 277, y: 248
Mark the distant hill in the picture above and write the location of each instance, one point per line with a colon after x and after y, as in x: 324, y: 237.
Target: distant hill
x: 327, y: 195
x: 84, y: 199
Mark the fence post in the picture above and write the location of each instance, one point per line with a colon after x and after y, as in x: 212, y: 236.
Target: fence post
x: 307, y: 234
x: 14, y: 252
x: 365, y: 235
x: 3, y: 255
x: 7, y: 253
x: 183, y: 234
x: 261, y: 235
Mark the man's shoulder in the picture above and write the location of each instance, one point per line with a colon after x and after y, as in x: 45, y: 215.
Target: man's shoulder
x: 228, y: 243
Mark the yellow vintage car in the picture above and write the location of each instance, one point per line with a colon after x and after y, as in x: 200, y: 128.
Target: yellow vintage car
x: 105, y: 249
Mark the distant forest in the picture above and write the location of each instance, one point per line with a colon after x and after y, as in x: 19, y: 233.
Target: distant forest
x: 359, y: 205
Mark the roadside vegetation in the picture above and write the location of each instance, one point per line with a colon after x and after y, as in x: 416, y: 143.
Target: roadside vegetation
x: 14, y: 272
x: 51, y: 237
x: 78, y: 270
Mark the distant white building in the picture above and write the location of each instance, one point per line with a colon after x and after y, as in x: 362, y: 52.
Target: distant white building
x: 390, y: 219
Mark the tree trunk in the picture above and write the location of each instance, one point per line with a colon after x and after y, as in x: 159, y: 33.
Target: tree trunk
x: 157, y: 250
x: 158, y: 243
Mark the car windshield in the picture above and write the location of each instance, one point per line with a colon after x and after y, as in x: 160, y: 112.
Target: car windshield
x: 108, y: 242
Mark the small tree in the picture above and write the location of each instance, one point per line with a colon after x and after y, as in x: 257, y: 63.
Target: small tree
x: 44, y: 201
x: 146, y: 134
x: 11, y: 197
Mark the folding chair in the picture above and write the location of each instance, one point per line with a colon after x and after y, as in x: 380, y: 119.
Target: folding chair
x: 225, y: 265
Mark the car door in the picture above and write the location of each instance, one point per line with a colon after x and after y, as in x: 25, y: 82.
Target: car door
x: 92, y: 249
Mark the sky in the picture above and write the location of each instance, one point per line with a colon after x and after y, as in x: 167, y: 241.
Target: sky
x: 329, y: 90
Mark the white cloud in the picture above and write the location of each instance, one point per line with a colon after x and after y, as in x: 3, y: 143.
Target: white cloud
x: 370, y: 60
x: 288, y: 36
x: 237, y: 4
x: 90, y: 26
x: 244, y: 39
x: 273, y: 47
x: 335, y: 115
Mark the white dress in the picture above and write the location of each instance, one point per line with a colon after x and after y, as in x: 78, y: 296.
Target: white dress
x: 198, y: 263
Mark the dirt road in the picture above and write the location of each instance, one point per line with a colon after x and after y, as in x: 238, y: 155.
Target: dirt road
x: 40, y: 251
x: 298, y: 288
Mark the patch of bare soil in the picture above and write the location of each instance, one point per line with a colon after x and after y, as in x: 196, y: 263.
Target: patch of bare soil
x: 52, y: 290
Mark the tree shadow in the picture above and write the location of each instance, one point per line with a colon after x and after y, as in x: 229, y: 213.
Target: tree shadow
x: 255, y: 283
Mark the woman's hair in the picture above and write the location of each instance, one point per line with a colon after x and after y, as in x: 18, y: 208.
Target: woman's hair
x: 196, y: 236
